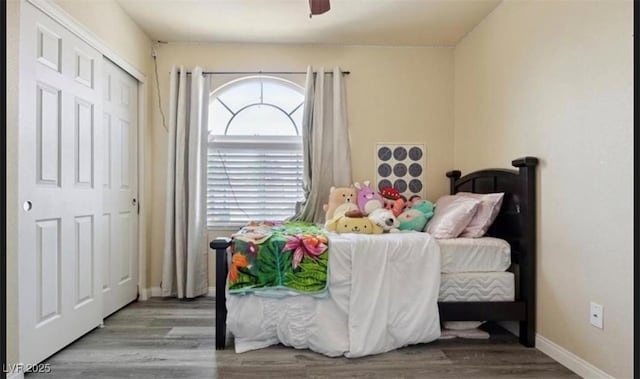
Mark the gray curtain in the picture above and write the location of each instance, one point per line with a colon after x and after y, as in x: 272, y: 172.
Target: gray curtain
x: 184, y: 271
x: 325, y: 139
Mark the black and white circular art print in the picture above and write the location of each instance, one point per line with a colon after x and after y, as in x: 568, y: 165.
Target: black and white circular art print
x: 402, y: 167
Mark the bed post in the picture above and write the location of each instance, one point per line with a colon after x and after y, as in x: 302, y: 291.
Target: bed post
x: 220, y: 245
x: 453, y: 176
x: 527, y: 171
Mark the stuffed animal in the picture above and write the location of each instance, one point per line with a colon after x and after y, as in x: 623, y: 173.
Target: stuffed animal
x: 368, y: 200
x: 424, y: 206
x: 390, y: 193
x: 413, y: 200
x: 393, y: 201
x: 385, y: 219
x: 417, y: 216
x: 337, y: 197
x: 353, y: 222
x: 340, y: 211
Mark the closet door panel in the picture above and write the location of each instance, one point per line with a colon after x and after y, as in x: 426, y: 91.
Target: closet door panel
x: 60, y: 198
x: 120, y: 112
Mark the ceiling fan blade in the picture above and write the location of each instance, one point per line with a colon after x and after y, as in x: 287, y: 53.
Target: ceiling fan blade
x: 319, y: 6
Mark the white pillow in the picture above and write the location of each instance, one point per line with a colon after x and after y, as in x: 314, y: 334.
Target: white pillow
x: 451, y: 215
x: 488, y: 210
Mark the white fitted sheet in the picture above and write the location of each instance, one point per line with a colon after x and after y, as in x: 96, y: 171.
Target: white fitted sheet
x: 477, y: 286
x: 486, y: 254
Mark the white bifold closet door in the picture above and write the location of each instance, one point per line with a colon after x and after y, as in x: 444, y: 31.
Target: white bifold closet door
x: 120, y: 188
x: 60, y: 186
x: 64, y: 198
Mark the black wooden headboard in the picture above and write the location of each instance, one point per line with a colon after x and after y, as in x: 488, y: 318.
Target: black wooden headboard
x: 517, y: 220
x: 516, y: 223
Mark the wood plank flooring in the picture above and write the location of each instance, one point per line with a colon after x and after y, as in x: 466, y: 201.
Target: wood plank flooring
x: 175, y: 339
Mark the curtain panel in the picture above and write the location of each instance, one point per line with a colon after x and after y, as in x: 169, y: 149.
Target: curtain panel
x: 325, y: 141
x: 184, y: 271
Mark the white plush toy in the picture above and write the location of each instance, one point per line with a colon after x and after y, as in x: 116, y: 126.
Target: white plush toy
x: 385, y: 219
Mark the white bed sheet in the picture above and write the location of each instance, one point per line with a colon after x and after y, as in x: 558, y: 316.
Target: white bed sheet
x: 383, y: 295
x: 474, y: 254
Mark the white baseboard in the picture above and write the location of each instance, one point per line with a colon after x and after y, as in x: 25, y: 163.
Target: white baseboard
x: 144, y: 294
x: 157, y: 292
x: 568, y: 359
x: 560, y: 354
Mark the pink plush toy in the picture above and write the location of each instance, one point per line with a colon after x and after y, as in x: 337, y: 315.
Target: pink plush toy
x: 368, y: 200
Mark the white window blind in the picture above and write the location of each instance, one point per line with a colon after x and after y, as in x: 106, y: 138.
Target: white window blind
x: 254, y: 156
x: 252, y: 178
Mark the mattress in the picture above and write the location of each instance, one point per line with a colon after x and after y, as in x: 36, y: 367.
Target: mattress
x: 484, y: 254
x: 477, y: 286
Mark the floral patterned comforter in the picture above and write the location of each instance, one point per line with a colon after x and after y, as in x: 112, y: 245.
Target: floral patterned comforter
x: 279, y: 259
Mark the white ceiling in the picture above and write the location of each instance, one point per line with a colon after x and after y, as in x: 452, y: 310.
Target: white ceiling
x: 349, y: 22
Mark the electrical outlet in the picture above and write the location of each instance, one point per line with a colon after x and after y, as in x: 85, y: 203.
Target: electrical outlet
x: 595, y: 315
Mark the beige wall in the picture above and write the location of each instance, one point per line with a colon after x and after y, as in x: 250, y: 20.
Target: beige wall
x: 393, y: 95
x: 13, y: 26
x: 111, y: 25
x: 114, y: 27
x: 555, y: 80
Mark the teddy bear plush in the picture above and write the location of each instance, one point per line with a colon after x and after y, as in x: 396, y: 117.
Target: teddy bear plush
x: 353, y: 222
x: 337, y: 197
x: 417, y: 216
x: 368, y: 200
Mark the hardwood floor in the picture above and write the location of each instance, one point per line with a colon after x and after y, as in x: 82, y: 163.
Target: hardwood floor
x: 175, y: 339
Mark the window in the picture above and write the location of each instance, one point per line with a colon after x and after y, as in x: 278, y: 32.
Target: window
x: 254, y: 157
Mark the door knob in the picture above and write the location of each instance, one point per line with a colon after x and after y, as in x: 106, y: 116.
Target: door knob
x: 134, y: 201
x: 27, y: 205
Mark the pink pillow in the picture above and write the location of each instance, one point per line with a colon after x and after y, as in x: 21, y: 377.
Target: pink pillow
x: 451, y: 216
x: 488, y: 210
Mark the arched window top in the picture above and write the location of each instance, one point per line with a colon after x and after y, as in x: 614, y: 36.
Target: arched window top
x: 256, y: 106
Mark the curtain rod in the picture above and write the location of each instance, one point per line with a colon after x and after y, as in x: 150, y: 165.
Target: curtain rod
x: 262, y: 72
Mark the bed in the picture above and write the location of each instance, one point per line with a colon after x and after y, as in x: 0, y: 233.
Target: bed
x: 514, y: 224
